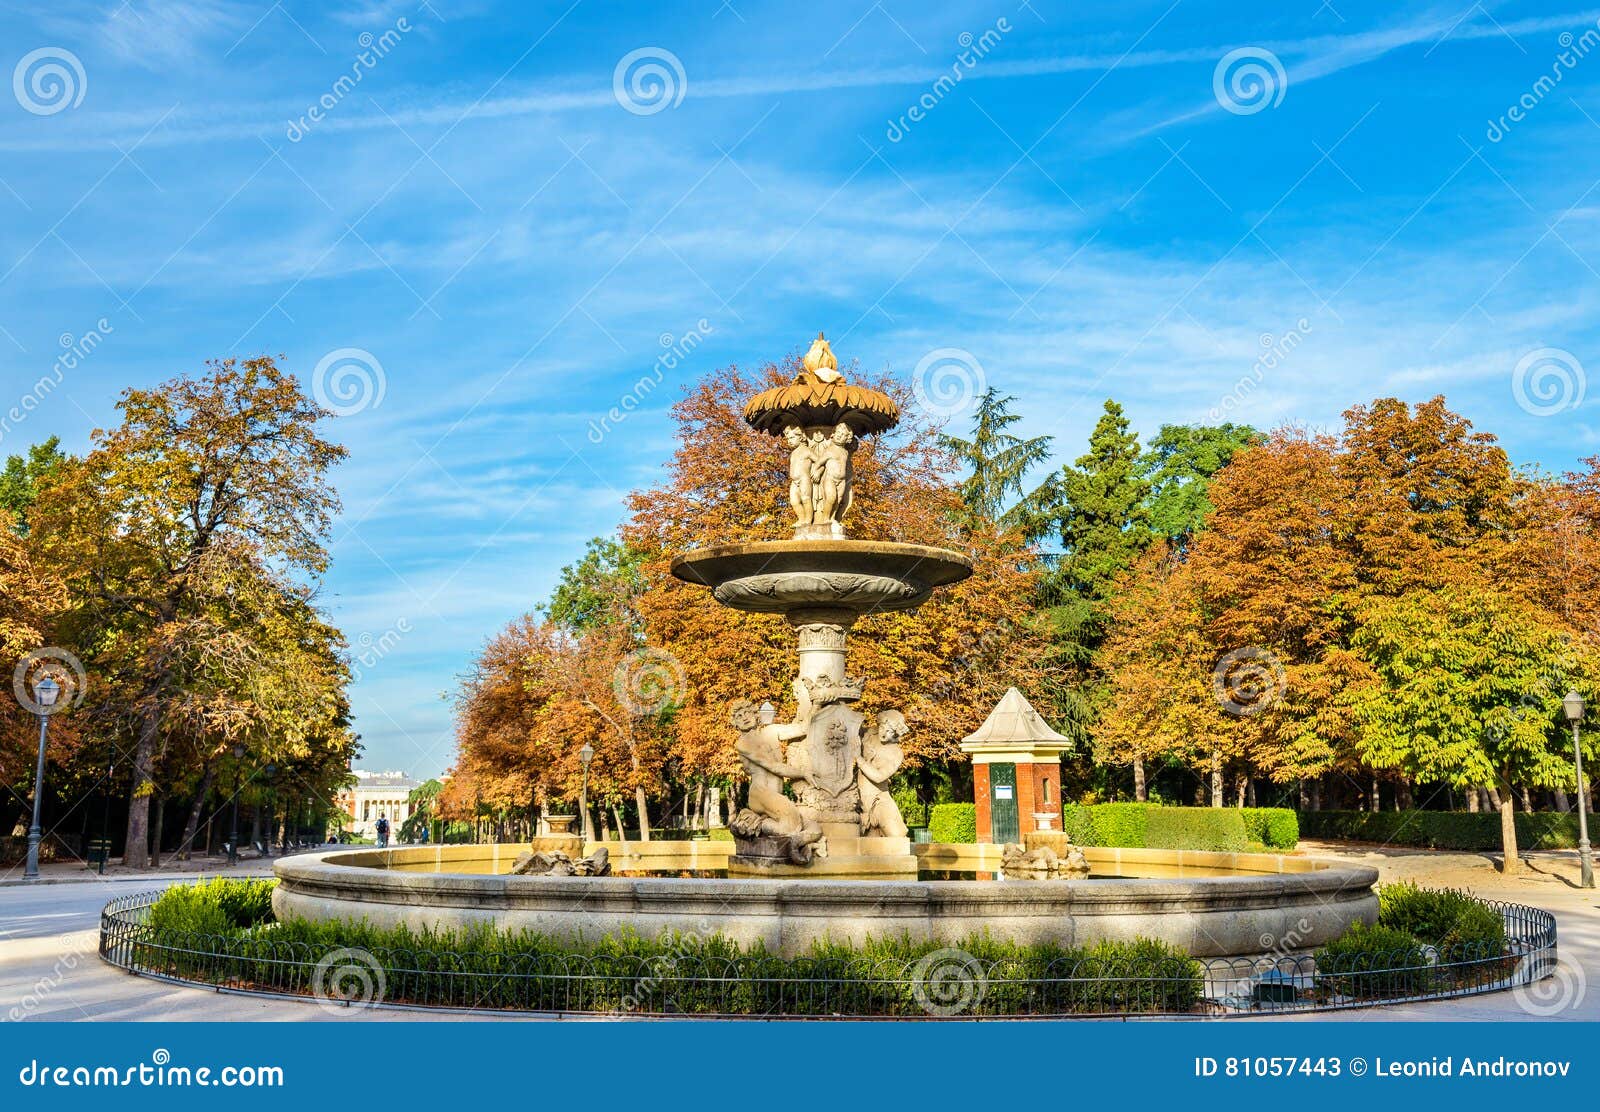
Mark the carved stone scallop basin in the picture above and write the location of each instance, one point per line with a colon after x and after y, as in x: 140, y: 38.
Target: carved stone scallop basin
x: 779, y: 577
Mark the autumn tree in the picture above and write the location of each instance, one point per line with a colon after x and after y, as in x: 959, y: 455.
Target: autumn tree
x: 205, y: 478
x: 1470, y: 693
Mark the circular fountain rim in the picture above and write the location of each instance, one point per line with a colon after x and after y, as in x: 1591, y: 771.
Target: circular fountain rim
x: 1208, y: 916
x: 934, y: 566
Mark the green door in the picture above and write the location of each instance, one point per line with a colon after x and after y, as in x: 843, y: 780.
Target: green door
x: 1003, y: 803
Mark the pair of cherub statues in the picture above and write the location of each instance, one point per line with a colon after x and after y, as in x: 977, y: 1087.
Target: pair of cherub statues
x: 820, y: 474
x: 770, y: 813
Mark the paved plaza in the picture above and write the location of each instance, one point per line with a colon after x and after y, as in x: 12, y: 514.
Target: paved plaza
x: 50, y: 970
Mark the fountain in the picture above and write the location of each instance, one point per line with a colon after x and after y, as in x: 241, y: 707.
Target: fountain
x: 820, y: 849
x: 843, y: 821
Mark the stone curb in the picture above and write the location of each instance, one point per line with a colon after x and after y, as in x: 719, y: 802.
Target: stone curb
x: 141, y: 878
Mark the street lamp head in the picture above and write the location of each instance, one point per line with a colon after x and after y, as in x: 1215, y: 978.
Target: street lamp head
x: 586, y: 754
x: 1573, y: 706
x: 46, y: 692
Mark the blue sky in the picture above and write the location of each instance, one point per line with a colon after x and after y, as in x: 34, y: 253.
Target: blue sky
x: 482, y: 245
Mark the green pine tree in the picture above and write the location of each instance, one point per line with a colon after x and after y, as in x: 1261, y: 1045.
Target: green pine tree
x: 1104, y: 521
x: 998, y: 463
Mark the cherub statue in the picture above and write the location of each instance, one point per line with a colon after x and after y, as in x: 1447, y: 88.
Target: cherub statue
x: 833, y: 475
x: 880, y: 759
x: 802, y: 472
x: 761, y: 753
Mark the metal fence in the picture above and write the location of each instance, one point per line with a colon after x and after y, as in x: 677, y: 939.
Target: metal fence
x: 947, y: 983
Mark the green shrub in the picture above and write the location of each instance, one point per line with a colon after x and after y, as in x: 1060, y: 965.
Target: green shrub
x: 719, y: 834
x: 953, y: 822
x: 1461, y: 830
x: 1373, y: 963
x: 1274, y: 827
x: 1120, y: 825
x: 1218, y: 829
x: 216, y: 906
x: 484, y: 967
x: 1462, y: 927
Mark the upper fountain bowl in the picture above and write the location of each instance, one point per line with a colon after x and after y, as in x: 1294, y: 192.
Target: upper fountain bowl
x: 780, y: 577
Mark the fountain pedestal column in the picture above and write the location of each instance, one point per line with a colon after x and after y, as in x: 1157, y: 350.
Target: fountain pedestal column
x: 842, y: 821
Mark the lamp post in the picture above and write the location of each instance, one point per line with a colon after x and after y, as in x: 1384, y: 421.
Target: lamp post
x: 272, y: 809
x: 1573, y: 706
x: 586, y: 754
x: 45, y: 693
x: 233, y: 821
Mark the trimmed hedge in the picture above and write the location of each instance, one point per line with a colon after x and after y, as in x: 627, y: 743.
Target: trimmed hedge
x: 1154, y: 826
x: 953, y: 822
x: 1275, y: 827
x: 1218, y: 829
x: 1442, y: 829
x: 1145, y: 826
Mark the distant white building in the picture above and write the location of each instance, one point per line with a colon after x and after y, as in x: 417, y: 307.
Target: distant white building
x: 378, y: 795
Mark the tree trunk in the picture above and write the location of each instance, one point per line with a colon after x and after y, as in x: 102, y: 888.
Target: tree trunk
x: 1250, y: 793
x: 135, y: 853
x: 1242, y: 786
x: 1375, y: 802
x: 1402, y: 795
x: 1141, y: 790
x: 158, y: 807
x: 1316, y: 794
x: 1216, y: 779
x: 644, y: 813
x: 192, y: 827
x: 1508, y: 829
x: 1473, y: 805
x: 1563, y: 804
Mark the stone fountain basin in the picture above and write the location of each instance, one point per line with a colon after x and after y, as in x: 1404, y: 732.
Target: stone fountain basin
x: 1208, y: 904
x: 779, y: 577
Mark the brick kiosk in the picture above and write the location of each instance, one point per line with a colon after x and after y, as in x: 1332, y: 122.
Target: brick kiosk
x: 1016, y: 771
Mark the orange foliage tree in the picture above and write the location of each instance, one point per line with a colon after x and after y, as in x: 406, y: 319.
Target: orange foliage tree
x: 1243, y: 653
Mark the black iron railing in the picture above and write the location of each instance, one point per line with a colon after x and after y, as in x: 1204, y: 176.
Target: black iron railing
x: 945, y: 984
